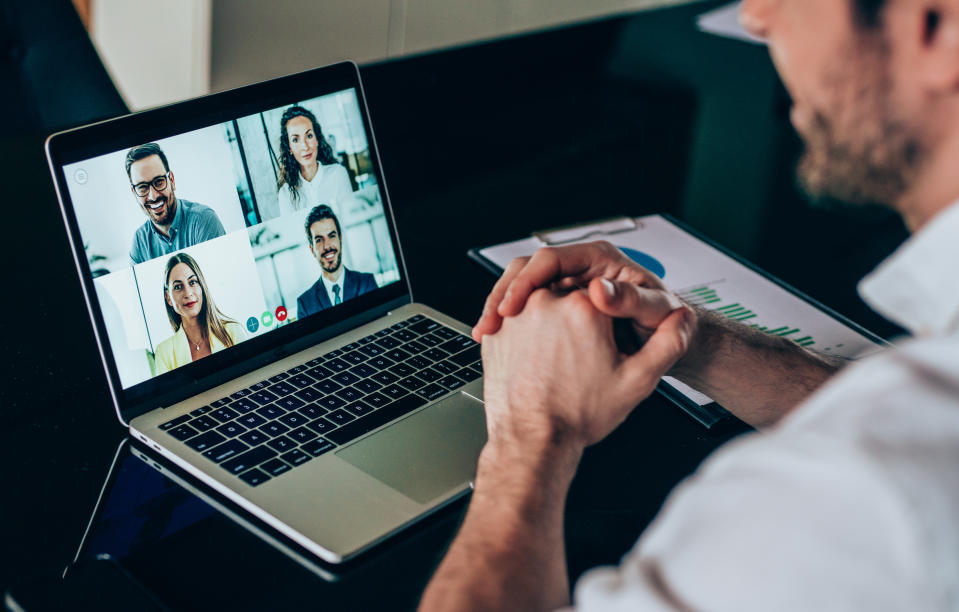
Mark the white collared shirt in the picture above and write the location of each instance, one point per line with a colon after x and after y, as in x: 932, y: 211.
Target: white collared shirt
x: 328, y: 285
x: 851, y: 503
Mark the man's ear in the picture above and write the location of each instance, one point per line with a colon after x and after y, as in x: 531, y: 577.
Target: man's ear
x: 172, y: 182
x: 935, y: 26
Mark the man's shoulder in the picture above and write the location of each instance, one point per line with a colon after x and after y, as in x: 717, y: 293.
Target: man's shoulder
x: 197, y: 210
x: 310, y: 293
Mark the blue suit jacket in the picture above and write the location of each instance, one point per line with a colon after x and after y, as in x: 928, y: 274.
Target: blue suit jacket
x: 316, y: 299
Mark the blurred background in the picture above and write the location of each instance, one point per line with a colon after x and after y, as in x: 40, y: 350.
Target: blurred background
x: 212, y: 45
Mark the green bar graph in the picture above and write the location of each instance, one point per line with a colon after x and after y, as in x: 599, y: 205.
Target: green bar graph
x: 728, y: 307
x: 750, y: 316
x: 803, y: 339
x: 788, y: 333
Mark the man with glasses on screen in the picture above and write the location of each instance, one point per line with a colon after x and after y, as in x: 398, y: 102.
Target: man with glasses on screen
x: 336, y: 283
x: 172, y: 223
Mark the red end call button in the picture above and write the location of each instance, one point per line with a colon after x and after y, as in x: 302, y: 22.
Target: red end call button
x: 280, y: 313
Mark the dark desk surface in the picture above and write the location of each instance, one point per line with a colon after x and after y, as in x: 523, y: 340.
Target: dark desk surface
x: 482, y: 144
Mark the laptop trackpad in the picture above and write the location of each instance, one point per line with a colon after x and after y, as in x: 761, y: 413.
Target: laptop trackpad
x: 427, y: 454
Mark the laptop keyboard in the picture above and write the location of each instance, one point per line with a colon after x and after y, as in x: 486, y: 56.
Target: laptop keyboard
x: 269, y: 428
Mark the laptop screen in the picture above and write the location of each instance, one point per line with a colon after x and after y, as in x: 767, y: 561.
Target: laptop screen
x: 202, y: 240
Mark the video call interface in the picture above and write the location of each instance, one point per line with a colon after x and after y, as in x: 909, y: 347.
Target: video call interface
x: 209, y: 238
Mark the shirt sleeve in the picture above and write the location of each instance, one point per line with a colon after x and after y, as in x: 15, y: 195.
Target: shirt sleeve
x: 790, y: 524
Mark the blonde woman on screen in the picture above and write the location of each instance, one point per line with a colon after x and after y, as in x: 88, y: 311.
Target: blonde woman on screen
x: 309, y: 172
x: 199, y: 328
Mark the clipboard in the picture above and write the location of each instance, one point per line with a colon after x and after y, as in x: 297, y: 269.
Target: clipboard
x: 706, y: 274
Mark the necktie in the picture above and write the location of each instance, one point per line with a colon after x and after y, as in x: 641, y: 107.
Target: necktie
x: 336, y: 295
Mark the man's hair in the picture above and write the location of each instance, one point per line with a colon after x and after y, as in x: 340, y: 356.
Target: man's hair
x: 146, y: 150
x: 318, y: 214
x: 868, y: 11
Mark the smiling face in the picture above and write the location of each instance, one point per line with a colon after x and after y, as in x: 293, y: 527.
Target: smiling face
x: 837, y: 71
x: 302, y: 139
x: 159, y: 205
x: 184, y: 293
x: 326, y: 246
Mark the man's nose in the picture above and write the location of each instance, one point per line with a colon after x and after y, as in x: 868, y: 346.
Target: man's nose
x: 153, y: 193
x: 754, y: 16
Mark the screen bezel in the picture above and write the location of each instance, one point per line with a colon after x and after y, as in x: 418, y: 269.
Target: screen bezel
x: 116, y: 134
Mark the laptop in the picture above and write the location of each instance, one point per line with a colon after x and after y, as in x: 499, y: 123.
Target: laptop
x: 246, y: 287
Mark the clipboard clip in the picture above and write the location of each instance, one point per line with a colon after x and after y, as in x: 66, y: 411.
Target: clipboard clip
x: 581, y: 231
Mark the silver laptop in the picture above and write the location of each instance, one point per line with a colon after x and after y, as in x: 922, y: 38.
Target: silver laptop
x: 244, y: 278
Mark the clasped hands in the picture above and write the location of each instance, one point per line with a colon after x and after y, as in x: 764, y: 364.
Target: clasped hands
x: 554, y: 373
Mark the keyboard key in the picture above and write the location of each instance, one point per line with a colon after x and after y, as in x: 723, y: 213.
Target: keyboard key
x: 301, y: 380
x: 349, y: 394
x: 263, y: 384
x: 204, y: 441
x: 274, y: 429
x: 374, y: 420
x: 445, y: 332
x: 340, y: 417
x: 275, y: 467
x: 263, y: 397
x: 226, y: 450
x: 314, y: 362
x: 297, y: 369
x: 466, y: 357
x: 352, y: 346
x: 451, y: 382
x: 250, y: 458
x: 399, y: 325
x: 431, y: 392
x: 424, y: 326
x: 279, y: 377
x: 220, y: 403
x: 282, y: 388
x: 240, y: 393
x: 388, y: 343
x: 446, y: 367
x: 253, y: 437
x: 415, y: 347
x: 460, y: 343
x: 368, y: 386
x: 346, y: 378
x: 355, y: 357
x: 371, y: 350
x: 290, y: 402
x: 177, y: 421
x: 295, y: 457
x: 398, y: 355
x: 377, y: 400
x: 404, y: 335
x: 328, y: 386
x: 385, y: 378
x: 332, y: 354
x: 402, y: 370
x: 302, y: 435
x: 434, y: 354
x: 366, y: 339
x: 183, y: 432
x: 293, y: 419
x: 477, y: 367
x: 359, y: 408
x: 414, y: 319
x: 312, y: 411
x: 331, y: 402
x: 363, y: 370
x: 321, y: 426
x: 318, y: 447
x: 254, y: 477
x: 337, y: 365
x: 231, y: 430
x: 380, y: 363
x: 281, y: 444
x: 251, y: 420
x: 412, y: 383
x: 418, y: 363
x: 224, y: 414
x: 204, y: 423
x: 430, y: 340
x: 319, y: 372
x: 244, y: 405
x: 429, y: 375
x: 200, y: 411
x: 309, y: 394
x: 467, y: 374
x: 383, y: 332
x: 394, y: 391
x: 270, y: 412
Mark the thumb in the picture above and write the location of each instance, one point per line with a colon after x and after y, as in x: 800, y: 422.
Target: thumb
x: 622, y: 300
x: 639, y: 373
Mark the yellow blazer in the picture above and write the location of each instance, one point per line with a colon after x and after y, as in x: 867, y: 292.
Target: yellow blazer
x: 175, y: 350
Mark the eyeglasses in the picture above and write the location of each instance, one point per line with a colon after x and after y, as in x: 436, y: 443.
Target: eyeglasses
x: 159, y: 184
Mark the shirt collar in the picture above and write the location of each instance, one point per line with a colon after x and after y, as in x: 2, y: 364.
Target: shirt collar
x: 916, y: 286
x: 328, y: 284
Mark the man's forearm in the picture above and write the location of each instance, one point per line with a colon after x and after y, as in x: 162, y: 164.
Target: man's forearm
x: 758, y: 377
x: 509, y: 553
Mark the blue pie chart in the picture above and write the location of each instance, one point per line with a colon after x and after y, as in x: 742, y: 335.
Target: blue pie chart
x: 647, y: 261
